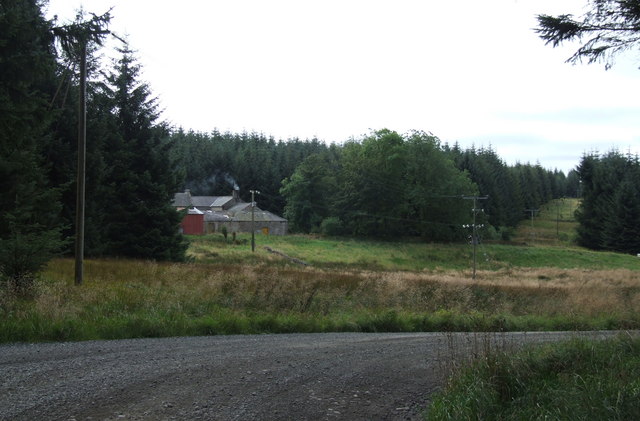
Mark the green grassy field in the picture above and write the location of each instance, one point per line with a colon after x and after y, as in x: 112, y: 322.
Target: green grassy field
x: 554, y: 224
x: 354, y: 254
x: 545, y: 242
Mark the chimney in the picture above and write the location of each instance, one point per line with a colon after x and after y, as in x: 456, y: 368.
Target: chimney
x: 236, y: 194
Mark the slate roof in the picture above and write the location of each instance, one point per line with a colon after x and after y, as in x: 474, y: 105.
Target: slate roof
x: 202, y: 201
x: 240, y: 212
x: 260, y: 216
x: 216, y: 217
x: 182, y: 200
x: 239, y: 207
x: 185, y: 200
x: 220, y: 201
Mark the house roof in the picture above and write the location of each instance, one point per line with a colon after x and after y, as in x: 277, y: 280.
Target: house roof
x: 182, y: 200
x: 202, y: 201
x: 240, y: 212
x: 220, y: 201
x: 239, y: 207
x: 216, y: 217
x: 259, y: 216
x: 185, y: 200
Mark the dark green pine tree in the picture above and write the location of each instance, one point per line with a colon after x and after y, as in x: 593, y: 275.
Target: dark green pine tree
x: 572, y: 184
x: 588, y: 214
x: 29, y: 230
x: 62, y: 151
x: 141, y: 180
x: 621, y: 231
x: 601, y: 178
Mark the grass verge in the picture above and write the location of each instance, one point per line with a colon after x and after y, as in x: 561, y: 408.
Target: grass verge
x: 578, y: 380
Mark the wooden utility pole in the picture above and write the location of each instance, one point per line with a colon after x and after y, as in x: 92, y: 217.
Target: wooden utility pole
x: 474, y: 235
x: 82, y: 155
x: 558, y: 216
x: 253, y: 219
x: 74, y: 38
x: 532, y: 212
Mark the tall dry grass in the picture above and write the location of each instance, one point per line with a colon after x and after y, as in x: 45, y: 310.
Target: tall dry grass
x: 156, y: 286
x: 123, y: 298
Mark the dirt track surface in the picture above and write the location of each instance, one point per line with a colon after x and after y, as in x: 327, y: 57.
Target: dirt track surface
x: 344, y: 376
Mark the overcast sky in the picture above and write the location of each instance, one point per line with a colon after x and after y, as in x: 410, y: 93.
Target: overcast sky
x: 469, y: 71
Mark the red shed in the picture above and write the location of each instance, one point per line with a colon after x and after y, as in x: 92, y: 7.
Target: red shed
x: 193, y: 222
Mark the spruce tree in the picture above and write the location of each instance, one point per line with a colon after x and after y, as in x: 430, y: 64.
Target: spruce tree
x: 621, y: 231
x: 601, y: 178
x: 141, y: 178
x: 29, y: 230
x: 62, y: 151
x: 608, y: 28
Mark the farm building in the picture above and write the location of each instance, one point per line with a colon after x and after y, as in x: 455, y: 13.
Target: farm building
x: 228, y: 213
x: 193, y: 222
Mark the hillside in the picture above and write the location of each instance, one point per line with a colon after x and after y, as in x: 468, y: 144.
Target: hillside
x: 552, y: 224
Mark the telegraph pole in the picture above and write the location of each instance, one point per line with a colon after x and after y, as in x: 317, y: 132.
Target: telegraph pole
x: 82, y: 154
x: 474, y: 235
x: 558, y: 216
x: 253, y: 219
x: 532, y: 212
x: 75, y: 37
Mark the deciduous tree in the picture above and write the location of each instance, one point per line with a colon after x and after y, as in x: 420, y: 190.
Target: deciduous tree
x: 309, y: 193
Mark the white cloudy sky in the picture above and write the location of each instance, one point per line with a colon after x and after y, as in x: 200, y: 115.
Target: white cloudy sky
x: 468, y: 71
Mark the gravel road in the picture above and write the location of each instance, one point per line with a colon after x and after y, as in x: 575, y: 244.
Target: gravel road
x: 341, y: 376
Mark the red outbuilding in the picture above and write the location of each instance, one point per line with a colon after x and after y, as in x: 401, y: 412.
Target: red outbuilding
x: 193, y: 222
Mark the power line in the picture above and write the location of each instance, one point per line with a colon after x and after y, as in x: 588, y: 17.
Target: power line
x: 474, y: 236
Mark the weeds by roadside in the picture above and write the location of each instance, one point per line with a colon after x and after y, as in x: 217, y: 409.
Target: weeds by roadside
x: 582, y: 379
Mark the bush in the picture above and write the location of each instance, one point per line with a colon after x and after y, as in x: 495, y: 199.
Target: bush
x: 506, y: 233
x: 490, y: 233
x: 331, y: 226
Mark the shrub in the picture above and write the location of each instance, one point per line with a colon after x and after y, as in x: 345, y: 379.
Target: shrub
x: 331, y: 226
x: 506, y: 233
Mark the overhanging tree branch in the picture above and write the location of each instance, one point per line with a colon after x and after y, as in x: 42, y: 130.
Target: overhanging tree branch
x: 612, y: 26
